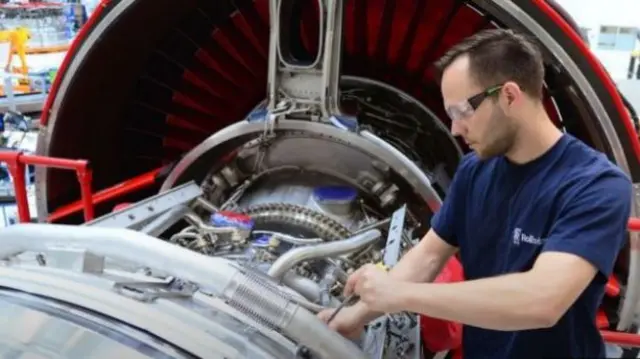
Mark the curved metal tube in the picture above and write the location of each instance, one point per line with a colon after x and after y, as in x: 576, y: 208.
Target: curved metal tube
x: 330, y: 249
x: 195, y: 220
x: 394, y: 159
x: 290, y: 239
x: 305, y: 286
x: 216, y: 274
x: 308, y: 289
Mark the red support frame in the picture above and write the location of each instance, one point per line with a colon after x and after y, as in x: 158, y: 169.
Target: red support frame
x: 17, y: 163
x: 132, y: 185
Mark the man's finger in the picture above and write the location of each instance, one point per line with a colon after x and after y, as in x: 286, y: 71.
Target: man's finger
x: 334, y: 326
x: 358, y: 287
x: 325, y: 314
x: 351, y: 282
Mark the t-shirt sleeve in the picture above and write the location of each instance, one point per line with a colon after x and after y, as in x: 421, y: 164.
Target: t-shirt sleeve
x: 592, y: 224
x: 444, y: 222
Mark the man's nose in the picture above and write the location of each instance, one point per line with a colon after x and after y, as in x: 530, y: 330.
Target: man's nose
x: 457, y: 128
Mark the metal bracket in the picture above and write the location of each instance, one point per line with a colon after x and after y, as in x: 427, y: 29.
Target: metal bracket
x: 150, y: 291
x: 398, y: 335
x: 141, y: 212
x: 306, y: 87
x: 394, y: 239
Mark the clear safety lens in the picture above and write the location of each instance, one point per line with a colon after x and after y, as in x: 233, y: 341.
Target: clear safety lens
x: 460, y: 111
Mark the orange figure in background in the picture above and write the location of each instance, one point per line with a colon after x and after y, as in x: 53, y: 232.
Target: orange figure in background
x: 17, y: 39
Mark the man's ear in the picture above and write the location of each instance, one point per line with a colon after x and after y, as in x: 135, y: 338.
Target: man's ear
x: 512, y: 93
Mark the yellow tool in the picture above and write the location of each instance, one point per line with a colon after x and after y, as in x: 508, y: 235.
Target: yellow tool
x: 353, y: 298
x: 383, y: 266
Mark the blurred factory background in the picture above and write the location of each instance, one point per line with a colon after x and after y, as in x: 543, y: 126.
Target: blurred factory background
x: 34, y: 38
x: 613, y: 30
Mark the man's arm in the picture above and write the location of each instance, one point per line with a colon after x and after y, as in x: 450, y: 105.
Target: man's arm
x: 520, y: 301
x: 421, y: 263
x: 424, y: 262
x: 585, y: 240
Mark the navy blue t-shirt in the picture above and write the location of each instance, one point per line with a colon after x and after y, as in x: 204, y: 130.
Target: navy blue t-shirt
x: 502, y: 215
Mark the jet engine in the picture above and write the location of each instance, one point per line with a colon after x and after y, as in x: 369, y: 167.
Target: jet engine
x: 313, y: 132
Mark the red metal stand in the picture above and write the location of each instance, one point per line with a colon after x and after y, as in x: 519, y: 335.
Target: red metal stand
x: 17, y: 162
x: 132, y: 185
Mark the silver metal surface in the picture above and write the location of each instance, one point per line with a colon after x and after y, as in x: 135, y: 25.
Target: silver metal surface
x: 311, y: 86
x: 299, y: 193
x: 23, y: 103
x: 393, y: 248
x: 114, y: 305
x: 275, y: 185
x: 121, y: 244
x: 185, y: 328
x: 413, y: 175
x: 288, y: 214
x: 405, y: 342
x: 137, y: 214
x: 33, y: 327
x: 162, y: 222
x: 323, y: 250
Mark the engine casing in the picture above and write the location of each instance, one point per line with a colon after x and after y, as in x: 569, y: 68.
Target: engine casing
x: 188, y: 86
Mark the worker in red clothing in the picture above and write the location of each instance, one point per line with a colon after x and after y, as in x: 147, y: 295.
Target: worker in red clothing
x: 537, y: 217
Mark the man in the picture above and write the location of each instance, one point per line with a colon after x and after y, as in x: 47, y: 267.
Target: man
x: 537, y: 216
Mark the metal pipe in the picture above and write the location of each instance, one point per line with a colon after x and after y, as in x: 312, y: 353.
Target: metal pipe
x: 305, y: 286
x: 330, y: 249
x: 121, y: 244
x: 309, y: 290
x: 255, y: 296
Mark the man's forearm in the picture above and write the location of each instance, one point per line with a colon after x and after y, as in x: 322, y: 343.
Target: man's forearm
x: 510, y: 302
x: 415, y: 266
x: 418, y: 266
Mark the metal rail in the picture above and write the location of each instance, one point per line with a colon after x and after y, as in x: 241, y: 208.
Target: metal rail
x: 16, y: 163
x: 22, y: 102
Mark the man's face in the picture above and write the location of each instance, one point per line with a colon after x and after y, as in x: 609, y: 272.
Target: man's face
x: 481, y: 122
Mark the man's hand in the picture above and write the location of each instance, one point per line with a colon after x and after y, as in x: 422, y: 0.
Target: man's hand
x: 377, y: 290
x: 421, y: 264
x: 348, y: 322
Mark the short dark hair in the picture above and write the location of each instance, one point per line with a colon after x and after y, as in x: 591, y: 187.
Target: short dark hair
x: 497, y: 56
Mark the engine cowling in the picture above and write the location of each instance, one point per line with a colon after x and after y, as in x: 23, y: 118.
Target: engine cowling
x: 180, y: 92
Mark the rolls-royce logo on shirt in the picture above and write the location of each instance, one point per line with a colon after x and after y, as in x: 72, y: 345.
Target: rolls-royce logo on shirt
x: 520, y: 237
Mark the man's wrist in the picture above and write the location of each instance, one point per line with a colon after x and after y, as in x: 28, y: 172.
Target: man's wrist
x: 364, y: 314
x: 405, y: 295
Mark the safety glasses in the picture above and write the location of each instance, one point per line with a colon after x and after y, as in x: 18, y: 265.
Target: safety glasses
x: 466, y: 108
